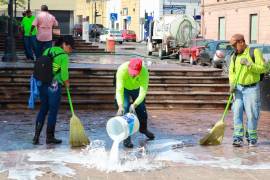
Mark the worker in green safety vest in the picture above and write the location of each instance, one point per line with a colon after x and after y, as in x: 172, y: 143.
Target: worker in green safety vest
x: 246, y: 89
x: 132, y: 80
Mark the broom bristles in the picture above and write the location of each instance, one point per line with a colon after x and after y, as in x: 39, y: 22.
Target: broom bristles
x: 77, y: 137
x: 215, y: 136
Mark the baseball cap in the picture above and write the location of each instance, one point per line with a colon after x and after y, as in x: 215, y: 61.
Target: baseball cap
x: 135, y: 66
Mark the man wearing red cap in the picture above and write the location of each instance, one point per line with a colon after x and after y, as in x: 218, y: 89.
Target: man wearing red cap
x: 132, y: 80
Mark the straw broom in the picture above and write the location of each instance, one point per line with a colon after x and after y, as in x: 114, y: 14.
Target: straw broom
x: 215, y: 136
x: 77, y: 136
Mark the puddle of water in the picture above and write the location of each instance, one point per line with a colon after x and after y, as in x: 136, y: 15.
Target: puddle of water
x: 96, y: 156
x: 30, y: 164
x: 199, y: 156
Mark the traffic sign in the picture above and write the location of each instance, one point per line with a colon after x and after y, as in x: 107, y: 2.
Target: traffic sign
x: 113, y: 16
x: 128, y: 18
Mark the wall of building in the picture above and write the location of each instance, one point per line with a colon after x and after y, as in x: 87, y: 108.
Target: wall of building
x: 86, y: 9
x: 237, y: 18
x: 133, y: 10
x: 82, y: 10
x: 54, y: 4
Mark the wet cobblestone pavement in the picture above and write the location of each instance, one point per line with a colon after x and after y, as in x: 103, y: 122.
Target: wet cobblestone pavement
x: 174, y: 154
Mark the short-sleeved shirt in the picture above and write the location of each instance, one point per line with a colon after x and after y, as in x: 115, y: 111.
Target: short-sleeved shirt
x: 60, y: 64
x: 44, y: 23
x: 27, y: 24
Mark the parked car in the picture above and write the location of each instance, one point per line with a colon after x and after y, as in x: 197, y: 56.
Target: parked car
x: 117, y: 36
x: 77, y: 30
x: 219, y: 48
x: 95, y: 30
x: 192, y: 52
x: 128, y: 35
x: 265, y: 48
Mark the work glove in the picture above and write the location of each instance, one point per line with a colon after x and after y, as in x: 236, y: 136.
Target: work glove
x: 232, y: 88
x: 245, y: 62
x: 120, y: 111
x: 132, y: 109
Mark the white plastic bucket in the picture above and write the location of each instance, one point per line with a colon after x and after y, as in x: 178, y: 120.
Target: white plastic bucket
x: 120, y: 127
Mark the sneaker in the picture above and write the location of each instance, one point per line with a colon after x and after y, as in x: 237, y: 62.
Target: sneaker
x: 252, y: 143
x: 237, y: 143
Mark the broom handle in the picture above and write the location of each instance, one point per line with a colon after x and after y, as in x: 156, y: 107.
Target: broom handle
x: 231, y: 95
x: 70, y: 102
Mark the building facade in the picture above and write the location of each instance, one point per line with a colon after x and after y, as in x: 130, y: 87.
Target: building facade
x: 223, y: 18
x: 94, y: 11
x: 130, y: 14
x: 63, y: 10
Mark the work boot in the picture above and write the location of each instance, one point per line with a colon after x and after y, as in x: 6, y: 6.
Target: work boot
x: 37, y: 133
x: 252, y: 143
x: 50, y: 139
x: 237, y: 142
x: 145, y: 131
x: 128, y: 143
x: 148, y: 134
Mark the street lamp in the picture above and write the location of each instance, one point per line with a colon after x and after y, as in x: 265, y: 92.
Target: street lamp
x: 10, y: 51
x: 28, y: 4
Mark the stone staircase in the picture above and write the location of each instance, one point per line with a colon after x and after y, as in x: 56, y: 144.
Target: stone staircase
x: 92, y: 87
x: 81, y: 45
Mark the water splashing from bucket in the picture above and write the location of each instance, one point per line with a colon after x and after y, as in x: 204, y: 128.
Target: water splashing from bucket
x: 119, y: 128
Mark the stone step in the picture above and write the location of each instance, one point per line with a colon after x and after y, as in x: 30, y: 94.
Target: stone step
x: 109, y: 79
x: 152, y: 87
x: 83, y: 44
x: 111, y: 70
x: 109, y: 104
x: 97, y: 50
x: 171, y: 86
x: 109, y: 95
x: 86, y: 47
x: 2, y: 43
x: 80, y: 45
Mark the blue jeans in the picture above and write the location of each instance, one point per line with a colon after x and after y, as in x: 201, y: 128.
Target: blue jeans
x: 42, y: 46
x: 30, y: 45
x: 50, y: 97
x: 140, y: 109
x: 246, y: 99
